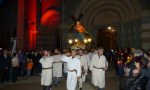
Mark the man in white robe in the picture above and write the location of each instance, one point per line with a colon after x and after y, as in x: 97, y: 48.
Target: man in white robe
x: 88, y: 76
x: 87, y: 58
x: 46, y: 76
x: 57, y: 67
x: 98, y: 66
x: 92, y: 53
x: 84, y: 67
x: 74, y: 70
x: 65, y: 69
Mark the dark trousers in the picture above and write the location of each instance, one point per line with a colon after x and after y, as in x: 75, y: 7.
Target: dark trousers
x: 46, y: 87
x: 21, y: 69
x: 101, y: 89
x: 15, y: 72
x: 56, y: 80
x: 4, y: 75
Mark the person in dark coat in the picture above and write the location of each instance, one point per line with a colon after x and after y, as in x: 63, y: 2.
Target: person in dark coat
x: 148, y: 74
x: 5, y: 61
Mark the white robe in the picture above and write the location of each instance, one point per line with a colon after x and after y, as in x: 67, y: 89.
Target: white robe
x: 57, y: 66
x: 65, y: 70
x: 98, y: 75
x: 88, y: 60
x: 83, y: 61
x: 84, y: 64
x: 46, y: 76
x: 72, y: 64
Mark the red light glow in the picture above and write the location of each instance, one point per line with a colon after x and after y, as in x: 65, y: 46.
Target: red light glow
x: 31, y: 19
x: 46, y: 4
x: 50, y: 17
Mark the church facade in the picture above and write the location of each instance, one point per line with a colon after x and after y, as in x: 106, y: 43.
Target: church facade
x: 46, y: 23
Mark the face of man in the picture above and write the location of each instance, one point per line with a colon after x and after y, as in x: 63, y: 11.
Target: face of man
x: 100, y: 51
x: 46, y: 53
x: 73, y: 53
x: 5, y: 52
x: 85, y: 52
x: 56, y: 51
x: 137, y: 64
x: 80, y: 52
x: 93, y: 50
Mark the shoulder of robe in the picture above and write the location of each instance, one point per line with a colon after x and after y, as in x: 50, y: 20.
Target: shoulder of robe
x: 42, y: 58
x: 77, y: 56
x: 77, y: 59
x: 95, y: 55
x: 50, y: 58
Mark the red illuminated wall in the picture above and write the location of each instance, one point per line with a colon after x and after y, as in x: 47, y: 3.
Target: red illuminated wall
x: 47, y: 4
x: 31, y: 22
x: 50, y: 14
x: 20, y: 24
x: 50, y: 17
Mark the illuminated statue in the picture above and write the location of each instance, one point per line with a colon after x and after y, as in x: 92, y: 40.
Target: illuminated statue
x: 79, y: 27
x: 80, y: 36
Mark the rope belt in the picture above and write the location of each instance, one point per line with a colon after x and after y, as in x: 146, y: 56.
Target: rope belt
x: 46, y: 68
x: 72, y: 70
x: 57, y: 62
x: 99, y: 68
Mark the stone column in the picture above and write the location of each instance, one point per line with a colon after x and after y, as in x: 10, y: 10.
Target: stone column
x: 20, y: 24
x: 145, y: 30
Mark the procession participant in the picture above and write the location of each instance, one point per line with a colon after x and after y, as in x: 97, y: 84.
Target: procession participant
x: 88, y: 77
x: 98, y: 66
x: 87, y: 57
x: 92, y: 52
x: 46, y: 76
x: 57, y: 67
x: 84, y: 67
x: 74, y: 70
x: 65, y: 70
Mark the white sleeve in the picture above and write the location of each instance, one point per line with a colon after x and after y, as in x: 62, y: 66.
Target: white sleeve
x: 91, y: 64
x: 52, y: 59
x: 106, y: 64
x: 65, y: 58
x: 88, y: 60
x: 40, y: 61
x: 79, y: 69
x: 86, y: 64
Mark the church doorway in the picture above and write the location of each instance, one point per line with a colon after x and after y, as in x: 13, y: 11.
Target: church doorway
x: 107, y: 37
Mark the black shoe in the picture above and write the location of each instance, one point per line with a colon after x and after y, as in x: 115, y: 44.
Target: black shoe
x: 80, y: 88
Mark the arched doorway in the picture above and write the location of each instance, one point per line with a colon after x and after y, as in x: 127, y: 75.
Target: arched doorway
x: 107, y: 37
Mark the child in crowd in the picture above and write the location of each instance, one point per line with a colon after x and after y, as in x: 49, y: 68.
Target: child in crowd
x: 29, y: 67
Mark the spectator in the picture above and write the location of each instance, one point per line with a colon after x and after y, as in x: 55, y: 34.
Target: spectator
x: 5, y: 66
x: 15, y: 66
x: 21, y: 61
x: 29, y: 67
